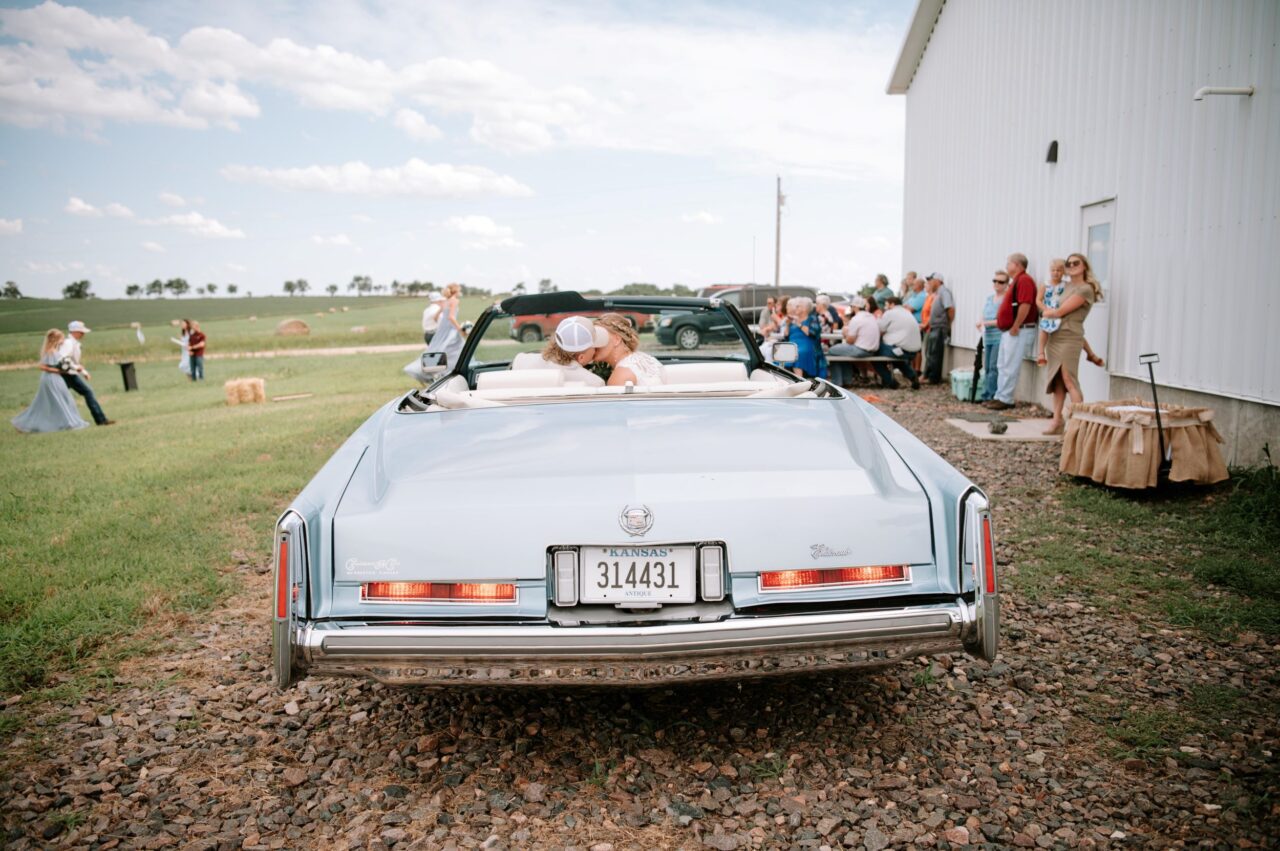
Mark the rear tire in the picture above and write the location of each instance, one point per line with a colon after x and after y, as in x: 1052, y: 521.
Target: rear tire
x: 688, y: 337
x: 531, y: 334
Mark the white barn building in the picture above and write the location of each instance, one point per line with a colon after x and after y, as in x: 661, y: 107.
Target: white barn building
x: 1176, y: 200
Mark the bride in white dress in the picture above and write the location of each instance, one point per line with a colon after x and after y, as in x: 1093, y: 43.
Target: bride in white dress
x: 629, y: 365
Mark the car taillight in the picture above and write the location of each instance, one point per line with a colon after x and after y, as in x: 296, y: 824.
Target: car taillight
x: 439, y: 592
x: 988, y: 554
x: 787, y: 580
x: 282, y: 579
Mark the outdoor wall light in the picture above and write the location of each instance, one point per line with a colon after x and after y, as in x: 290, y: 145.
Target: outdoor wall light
x: 1053, y: 152
x: 1247, y: 91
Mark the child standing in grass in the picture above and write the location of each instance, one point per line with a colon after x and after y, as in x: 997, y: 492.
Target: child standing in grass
x: 195, y: 349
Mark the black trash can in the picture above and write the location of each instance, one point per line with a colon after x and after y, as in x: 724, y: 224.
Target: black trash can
x: 130, y: 376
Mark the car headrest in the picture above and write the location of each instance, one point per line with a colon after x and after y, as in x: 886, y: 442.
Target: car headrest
x: 521, y: 380
x: 531, y: 360
x: 703, y: 373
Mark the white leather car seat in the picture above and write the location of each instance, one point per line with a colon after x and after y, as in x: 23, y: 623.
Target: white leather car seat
x: 703, y: 373
x: 520, y: 380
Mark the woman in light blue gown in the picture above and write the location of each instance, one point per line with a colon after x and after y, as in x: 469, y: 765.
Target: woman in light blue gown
x: 449, y: 338
x: 53, y: 409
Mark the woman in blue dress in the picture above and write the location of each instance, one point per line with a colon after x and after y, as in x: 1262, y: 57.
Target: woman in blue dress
x: 804, y: 329
x: 449, y: 336
x: 53, y: 409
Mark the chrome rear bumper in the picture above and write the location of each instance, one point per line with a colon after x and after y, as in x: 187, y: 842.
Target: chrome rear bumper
x: 632, y: 655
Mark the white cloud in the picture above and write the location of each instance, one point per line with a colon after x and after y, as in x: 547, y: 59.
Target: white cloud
x: 120, y: 211
x: 154, y: 247
x: 702, y: 217
x: 237, y: 268
x: 198, y: 225
x: 755, y: 93
x: 415, y: 178
x: 340, y: 239
x: 416, y: 127
x: 362, y: 218
x: 78, y: 207
x: 10, y: 227
x: 56, y: 267
x: 172, y: 199
x: 482, y: 232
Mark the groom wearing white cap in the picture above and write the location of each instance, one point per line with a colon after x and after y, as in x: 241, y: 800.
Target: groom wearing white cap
x: 74, y: 373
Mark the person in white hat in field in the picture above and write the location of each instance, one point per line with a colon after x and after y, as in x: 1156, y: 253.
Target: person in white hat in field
x: 74, y: 373
x: 431, y: 315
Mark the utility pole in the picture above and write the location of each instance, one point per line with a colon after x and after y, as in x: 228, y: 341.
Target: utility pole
x: 777, y: 244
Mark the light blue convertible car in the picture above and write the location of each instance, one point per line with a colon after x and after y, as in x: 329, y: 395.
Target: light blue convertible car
x: 508, y: 525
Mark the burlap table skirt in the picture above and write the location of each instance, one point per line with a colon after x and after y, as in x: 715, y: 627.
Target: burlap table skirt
x: 1115, y: 443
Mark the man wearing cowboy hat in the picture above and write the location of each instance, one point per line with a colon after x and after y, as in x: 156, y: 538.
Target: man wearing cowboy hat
x: 74, y: 373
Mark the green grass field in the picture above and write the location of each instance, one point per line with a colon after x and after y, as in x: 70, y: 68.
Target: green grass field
x: 107, y: 527
x: 226, y: 321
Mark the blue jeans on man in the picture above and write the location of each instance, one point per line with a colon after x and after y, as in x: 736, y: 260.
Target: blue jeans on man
x: 886, y: 351
x: 197, y: 367
x: 990, y: 366
x: 77, y: 384
x: 1014, y: 349
x: 842, y: 373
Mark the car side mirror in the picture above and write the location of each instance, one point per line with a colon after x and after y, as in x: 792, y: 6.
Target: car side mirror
x: 786, y: 352
x: 434, y: 361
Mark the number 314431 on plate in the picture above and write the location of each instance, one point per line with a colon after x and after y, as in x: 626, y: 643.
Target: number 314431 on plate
x: 638, y: 574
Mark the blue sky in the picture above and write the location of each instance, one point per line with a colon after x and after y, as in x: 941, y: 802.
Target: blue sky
x: 593, y: 144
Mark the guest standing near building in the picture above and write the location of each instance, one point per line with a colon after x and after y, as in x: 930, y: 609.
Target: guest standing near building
x: 1016, y: 320
x: 1066, y: 343
x: 991, y: 335
x: 195, y: 346
x: 74, y: 374
x: 942, y: 312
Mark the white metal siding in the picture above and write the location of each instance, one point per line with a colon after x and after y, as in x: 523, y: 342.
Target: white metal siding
x: 1195, y: 262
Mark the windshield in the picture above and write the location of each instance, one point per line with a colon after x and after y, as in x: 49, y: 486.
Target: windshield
x: 670, y: 335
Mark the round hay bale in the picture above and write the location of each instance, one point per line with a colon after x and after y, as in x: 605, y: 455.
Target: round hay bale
x: 358, y: 329
x: 293, y: 328
x: 345, y: 308
x: 321, y: 315
x: 253, y: 319
x: 175, y: 322
x: 333, y: 310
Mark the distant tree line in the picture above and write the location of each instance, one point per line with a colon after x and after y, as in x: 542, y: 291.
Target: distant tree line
x: 360, y: 285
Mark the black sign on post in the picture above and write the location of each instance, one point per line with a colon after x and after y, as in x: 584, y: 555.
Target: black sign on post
x: 130, y: 376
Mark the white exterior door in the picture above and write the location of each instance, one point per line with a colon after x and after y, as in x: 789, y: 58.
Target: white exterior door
x: 1097, y: 223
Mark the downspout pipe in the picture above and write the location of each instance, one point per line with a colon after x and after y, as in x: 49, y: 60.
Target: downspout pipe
x: 1247, y: 91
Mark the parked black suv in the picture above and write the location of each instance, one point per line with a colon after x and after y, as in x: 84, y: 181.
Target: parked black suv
x: 690, y: 330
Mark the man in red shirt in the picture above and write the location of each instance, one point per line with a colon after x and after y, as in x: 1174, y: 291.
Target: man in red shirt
x: 195, y: 349
x: 1016, y: 319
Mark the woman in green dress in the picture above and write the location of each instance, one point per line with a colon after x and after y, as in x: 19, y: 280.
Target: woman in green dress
x: 1066, y: 344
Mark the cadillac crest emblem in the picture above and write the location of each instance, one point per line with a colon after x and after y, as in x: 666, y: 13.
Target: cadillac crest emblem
x: 635, y: 521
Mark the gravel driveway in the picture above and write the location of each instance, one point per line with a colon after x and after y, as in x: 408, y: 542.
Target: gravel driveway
x: 195, y: 748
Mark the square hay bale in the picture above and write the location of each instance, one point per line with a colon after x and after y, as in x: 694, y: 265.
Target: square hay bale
x: 245, y: 391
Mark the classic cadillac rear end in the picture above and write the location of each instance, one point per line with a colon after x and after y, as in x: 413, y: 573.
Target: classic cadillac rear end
x: 631, y: 541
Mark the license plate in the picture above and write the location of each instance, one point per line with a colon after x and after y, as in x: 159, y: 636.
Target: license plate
x: 641, y: 575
